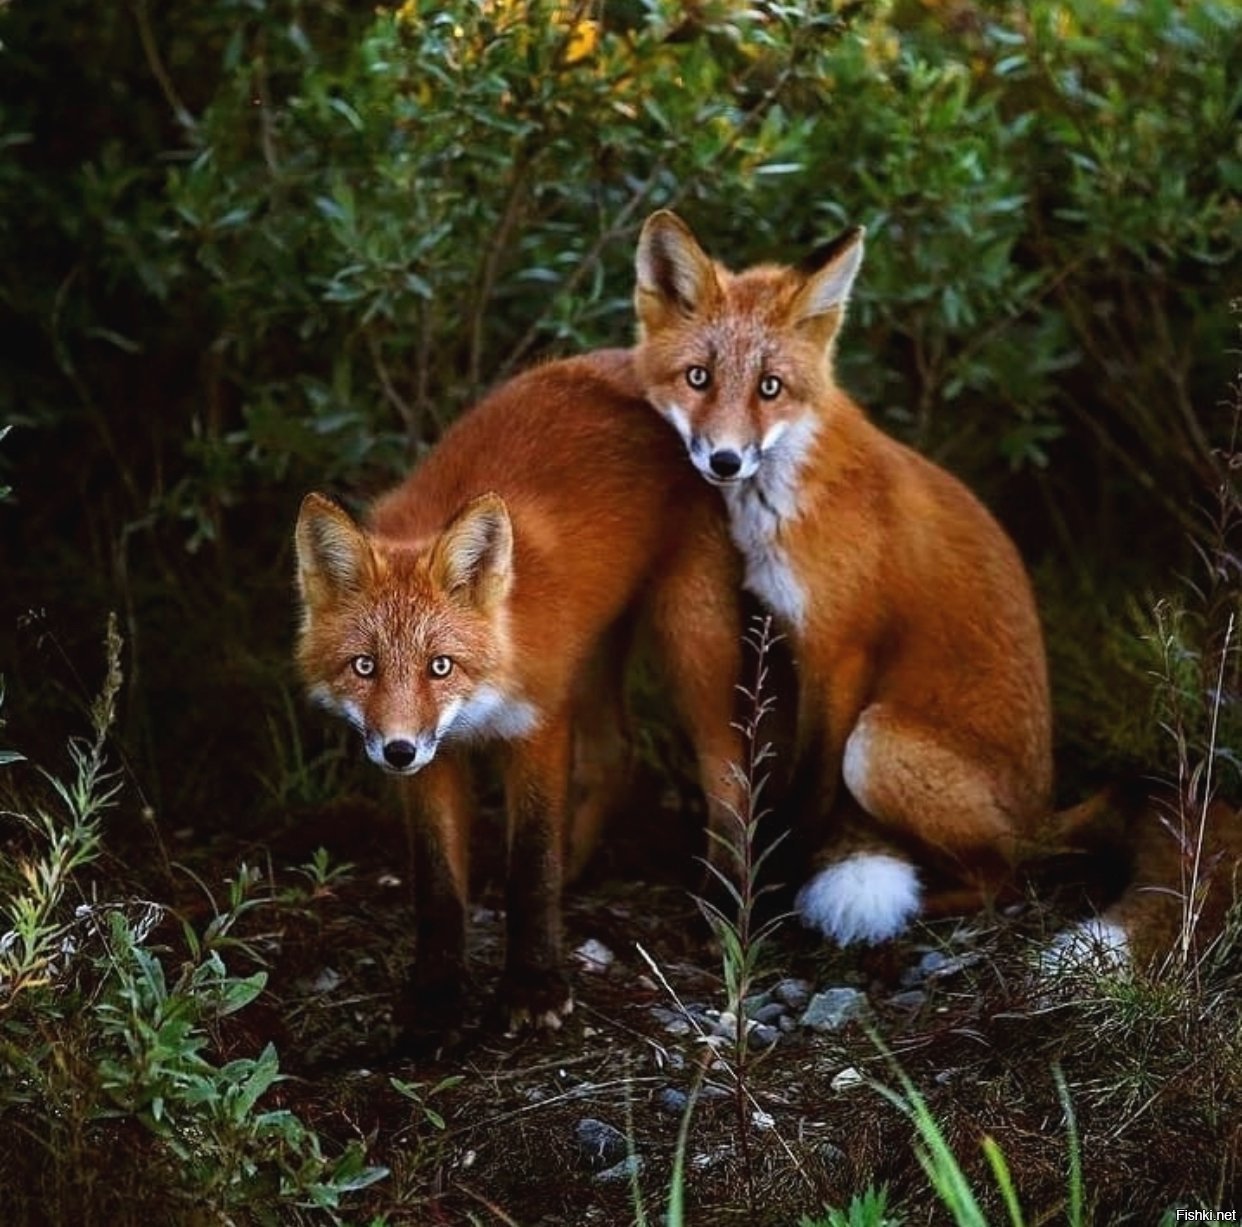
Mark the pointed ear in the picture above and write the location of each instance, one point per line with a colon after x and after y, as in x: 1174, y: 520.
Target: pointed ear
x: 675, y: 275
x: 829, y: 275
x: 473, y: 557
x: 332, y: 551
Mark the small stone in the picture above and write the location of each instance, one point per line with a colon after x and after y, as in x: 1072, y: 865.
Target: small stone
x: 594, y: 957
x: 326, y: 980
x: 793, y: 993
x: 951, y: 967
x: 787, y: 1023
x: 846, y: 1079
x: 912, y: 977
x: 833, y: 1008
x: 763, y: 1120
x: 770, y: 1014
x: 599, y: 1144
x: 753, y: 1004
x: 832, y: 1154
x: 673, y: 1021
x: 726, y: 1025
x: 626, y: 1170
x: 672, y: 1101
x: 910, y: 999
x: 761, y: 1035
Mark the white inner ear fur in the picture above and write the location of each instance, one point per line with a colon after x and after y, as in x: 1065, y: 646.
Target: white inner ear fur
x: 331, y: 548
x: 670, y: 263
x: 829, y: 289
x: 479, y: 547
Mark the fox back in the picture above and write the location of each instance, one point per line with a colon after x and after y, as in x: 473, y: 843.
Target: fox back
x: 488, y: 597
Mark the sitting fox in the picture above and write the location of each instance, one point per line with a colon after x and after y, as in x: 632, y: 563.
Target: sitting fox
x: 488, y: 599
x: 924, y: 688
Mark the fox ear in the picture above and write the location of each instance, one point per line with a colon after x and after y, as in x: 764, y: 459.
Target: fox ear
x: 829, y: 274
x: 332, y: 551
x: 473, y: 557
x: 675, y: 275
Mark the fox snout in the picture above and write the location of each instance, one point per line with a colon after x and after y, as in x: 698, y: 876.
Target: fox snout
x: 402, y: 754
x: 724, y: 464
x: 721, y: 461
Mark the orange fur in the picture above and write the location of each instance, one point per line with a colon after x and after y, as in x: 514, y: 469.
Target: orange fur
x: 924, y: 689
x: 924, y: 684
x: 547, y: 518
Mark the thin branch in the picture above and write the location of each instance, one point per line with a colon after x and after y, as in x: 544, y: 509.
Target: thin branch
x: 156, y: 63
x: 402, y: 406
x: 491, y: 263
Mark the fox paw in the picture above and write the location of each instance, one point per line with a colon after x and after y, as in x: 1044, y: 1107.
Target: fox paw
x: 433, y: 1000
x: 535, y: 1001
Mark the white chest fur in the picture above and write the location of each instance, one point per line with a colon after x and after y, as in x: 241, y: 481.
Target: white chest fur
x: 489, y: 713
x: 757, y: 508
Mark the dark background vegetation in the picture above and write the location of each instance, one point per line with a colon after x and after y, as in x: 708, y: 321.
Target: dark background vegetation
x: 253, y: 247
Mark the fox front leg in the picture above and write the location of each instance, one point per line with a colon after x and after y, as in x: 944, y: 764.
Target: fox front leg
x: 535, y: 988
x: 437, y: 805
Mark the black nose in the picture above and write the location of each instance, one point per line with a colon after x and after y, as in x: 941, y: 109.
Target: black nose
x: 725, y: 463
x: 399, y: 754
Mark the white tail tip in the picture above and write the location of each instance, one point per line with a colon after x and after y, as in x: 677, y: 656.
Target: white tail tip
x: 1095, y: 944
x: 868, y: 897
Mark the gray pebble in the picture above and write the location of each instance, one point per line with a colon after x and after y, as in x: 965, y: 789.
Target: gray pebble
x: 672, y: 1101
x: 910, y: 999
x: 833, y: 1008
x: 762, y: 1035
x: 674, y: 1022
x: 932, y: 961
x: 770, y: 1014
x: 599, y: 1144
x: 793, y: 993
x: 753, y: 1004
x: 626, y: 1170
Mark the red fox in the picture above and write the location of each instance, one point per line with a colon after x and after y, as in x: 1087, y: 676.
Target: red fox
x: 924, y: 687
x: 487, y: 600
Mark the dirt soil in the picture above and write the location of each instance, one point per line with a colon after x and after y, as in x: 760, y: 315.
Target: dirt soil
x: 977, y: 1036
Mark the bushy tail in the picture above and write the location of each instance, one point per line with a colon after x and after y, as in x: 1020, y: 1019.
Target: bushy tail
x: 1183, y: 874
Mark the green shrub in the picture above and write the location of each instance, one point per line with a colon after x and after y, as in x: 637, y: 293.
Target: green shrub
x: 97, y: 1033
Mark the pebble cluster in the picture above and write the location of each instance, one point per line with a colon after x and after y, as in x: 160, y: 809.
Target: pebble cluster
x: 790, y: 1006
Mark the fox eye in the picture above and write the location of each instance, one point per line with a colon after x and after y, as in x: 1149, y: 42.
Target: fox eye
x: 770, y: 387
x: 698, y: 377
x: 364, y: 666
x: 440, y: 666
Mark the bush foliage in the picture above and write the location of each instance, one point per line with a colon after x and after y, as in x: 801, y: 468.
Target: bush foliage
x: 255, y: 246
x: 252, y: 247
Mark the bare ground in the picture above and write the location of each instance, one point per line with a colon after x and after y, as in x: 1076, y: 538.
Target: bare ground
x: 1157, y: 1094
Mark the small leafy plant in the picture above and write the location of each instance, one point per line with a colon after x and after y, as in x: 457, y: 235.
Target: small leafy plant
x: 97, y: 1034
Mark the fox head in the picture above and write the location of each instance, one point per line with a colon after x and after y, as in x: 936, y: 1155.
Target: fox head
x: 738, y: 363
x: 408, y: 642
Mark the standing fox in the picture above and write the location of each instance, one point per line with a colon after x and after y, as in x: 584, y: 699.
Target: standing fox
x: 924, y: 686
x: 489, y: 599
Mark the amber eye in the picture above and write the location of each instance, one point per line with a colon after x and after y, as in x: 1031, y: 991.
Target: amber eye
x: 440, y: 666
x: 770, y: 387
x: 364, y: 666
x: 698, y: 377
